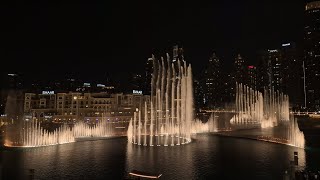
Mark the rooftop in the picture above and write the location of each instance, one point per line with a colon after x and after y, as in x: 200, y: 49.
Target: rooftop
x: 313, y: 5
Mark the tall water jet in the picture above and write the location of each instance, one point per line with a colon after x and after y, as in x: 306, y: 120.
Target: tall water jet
x: 248, y: 106
x: 171, y: 106
x: 32, y: 134
x: 296, y: 136
x: 213, y: 123
x: 130, y: 131
x: 265, y: 109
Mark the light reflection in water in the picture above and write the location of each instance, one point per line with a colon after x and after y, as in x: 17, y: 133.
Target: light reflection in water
x: 207, y: 157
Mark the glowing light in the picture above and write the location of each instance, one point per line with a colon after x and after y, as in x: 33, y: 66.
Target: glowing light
x: 272, y: 50
x: 136, y: 92
x: 162, y: 126
x: 287, y: 44
x: 101, y: 85
x: 47, y: 92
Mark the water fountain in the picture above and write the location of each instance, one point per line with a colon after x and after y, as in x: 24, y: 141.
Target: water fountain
x: 287, y: 133
x: 100, y: 129
x: 32, y: 134
x: 167, y: 119
x: 295, y: 135
x: 213, y: 123
x: 254, y: 108
x: 199, y: 127
x: 276, y: 108
x: 248, y: 106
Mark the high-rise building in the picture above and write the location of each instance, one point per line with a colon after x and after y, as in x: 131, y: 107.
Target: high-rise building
x: 312, y: 55
x: 262, y: 75
x: 273, y: 73
x: 148, y: 76
x: 292, y: 73
x: 252, y: 77
x: 240, y: 70
x: 211, y: 83
x: 228, y: 94
x: 136, y: 82
x: 274, y: 69
x: 281, y: 69
x: 198, y: 94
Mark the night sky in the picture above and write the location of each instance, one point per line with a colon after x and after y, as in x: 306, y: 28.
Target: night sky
x: 93, y: 39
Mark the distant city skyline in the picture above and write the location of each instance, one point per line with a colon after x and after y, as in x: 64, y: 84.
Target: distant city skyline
x: 89, y: 41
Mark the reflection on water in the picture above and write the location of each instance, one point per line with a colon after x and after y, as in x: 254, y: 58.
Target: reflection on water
x: 173, y: 162
x: 207, y: 157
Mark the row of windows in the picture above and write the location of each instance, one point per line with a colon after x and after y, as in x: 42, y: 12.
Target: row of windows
x: 95, y: 107
x: 86, y: 102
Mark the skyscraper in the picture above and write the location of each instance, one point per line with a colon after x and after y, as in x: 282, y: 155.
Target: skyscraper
x: 211, y: 83
x: 148, y: 76
x: 312, y: 54
x: 275, y: 69
x: 240, y: 70
x: 281, y: 69
x: 136, y: 82
x: 292, y: 73
x: 252, y: 77
x: 262, y: 75
x: 198, y: 94
x: 273, y: 72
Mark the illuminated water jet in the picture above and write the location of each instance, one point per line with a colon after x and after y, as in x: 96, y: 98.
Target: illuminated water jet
x: 166, y: 120
x: 31, y: 134
x: 254, y: 108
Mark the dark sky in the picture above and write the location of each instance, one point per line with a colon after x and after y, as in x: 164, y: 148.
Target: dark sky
x: 91, y: 39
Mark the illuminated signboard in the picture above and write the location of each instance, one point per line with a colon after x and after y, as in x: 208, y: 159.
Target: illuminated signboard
x: 250, y: 67
x: 101, y: 85
x: 47, y: 92
x: 136, y: 92
x: 287, y: 44
x: 86, y: 84
x: 12, y: 74
x: 272, y: 51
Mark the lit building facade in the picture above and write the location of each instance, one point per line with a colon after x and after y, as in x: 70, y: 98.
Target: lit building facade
x: 292, y: 72
x: 312, y: 55
x: 198, y: 94
x: 273, y: 73
x: 68, y: 107
x: 137, y: 82
x: 252, y: 77
x: 281, y: 69
x: 240, y: 70
x: 211, y: 83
